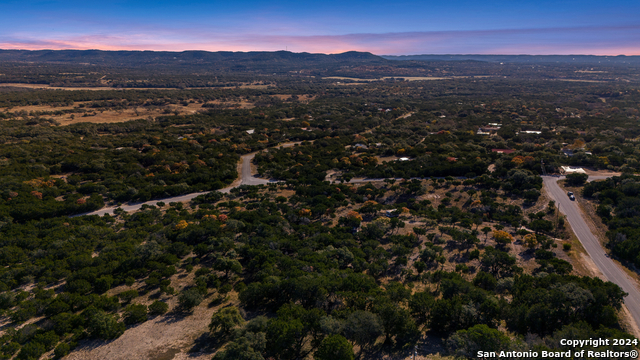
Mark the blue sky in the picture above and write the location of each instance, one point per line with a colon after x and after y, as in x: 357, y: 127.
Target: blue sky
x: 381, y: 27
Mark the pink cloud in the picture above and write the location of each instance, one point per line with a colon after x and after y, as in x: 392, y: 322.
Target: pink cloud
x: 596, y: 41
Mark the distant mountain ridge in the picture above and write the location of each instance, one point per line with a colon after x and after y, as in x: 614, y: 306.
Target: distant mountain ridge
x: 569, y: 59
x: 188, y: 58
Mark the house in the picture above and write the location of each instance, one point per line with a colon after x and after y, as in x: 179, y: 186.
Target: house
x: 251, y: 131
x: 530, y: 132
x: 361, y: 146
x: 503, y: 151
x: 571, y: 170
x: 567, y: 152
x: 404, y: 159
x: 391, y: 213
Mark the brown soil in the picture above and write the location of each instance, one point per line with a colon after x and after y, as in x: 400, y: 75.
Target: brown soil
x: 112, y: 116
x: 46, y: 86
x: 166, y: 337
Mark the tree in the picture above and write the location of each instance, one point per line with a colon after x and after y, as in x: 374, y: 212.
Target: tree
x: 363, y: 328
x: 497, y: 262
x: 420, y: 306
x: 334, y: 347
x: 224, y: 320
x: 370, y: 207
x: 485, y: 280
x: 248, y: 347
x: 189, y: 299
x: 158, y: 308
x: 32, y: 350
x: 285, y: 338
x: 62, y: 350
x: 467, y: 343
x: 530, y: 241
x: 577, y: 179
x: 104, y: 326
x: 103, y: 284
x: 486, y: 230
x: 134, y: 314
x: 228, y: 266
x: 502, y: 237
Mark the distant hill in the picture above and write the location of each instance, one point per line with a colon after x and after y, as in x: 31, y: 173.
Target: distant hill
x: 221, y: 59
x: 531, y: 59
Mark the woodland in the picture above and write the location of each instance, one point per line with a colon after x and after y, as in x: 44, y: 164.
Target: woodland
x: 441, y: 242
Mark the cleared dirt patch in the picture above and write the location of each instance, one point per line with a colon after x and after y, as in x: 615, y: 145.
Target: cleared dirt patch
x: 406, y: 78
x: 96, y: 88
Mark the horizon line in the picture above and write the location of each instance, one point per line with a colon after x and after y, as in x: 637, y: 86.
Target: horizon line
x: 315, y: 53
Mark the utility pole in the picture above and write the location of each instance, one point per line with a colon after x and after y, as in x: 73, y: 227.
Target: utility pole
x: 557, y: 219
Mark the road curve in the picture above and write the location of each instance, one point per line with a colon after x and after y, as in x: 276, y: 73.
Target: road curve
x: 246, y: 178
x: 608, y: 267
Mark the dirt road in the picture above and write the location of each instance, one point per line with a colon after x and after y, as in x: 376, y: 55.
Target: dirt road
x: 246, y: 176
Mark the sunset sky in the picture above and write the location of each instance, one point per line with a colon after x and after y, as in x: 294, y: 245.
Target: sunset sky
x: 382, y: 27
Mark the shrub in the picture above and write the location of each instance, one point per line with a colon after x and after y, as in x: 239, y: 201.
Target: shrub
x: 158, y: 308
x: 134, y: 314
x: 189, y: 299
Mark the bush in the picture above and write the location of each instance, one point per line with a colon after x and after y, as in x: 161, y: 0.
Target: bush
x: 566, y: 247
x: 128, y: 295
x: 225, y: 320
x: 158, y: 308
x: 62, y: 350
x: 134, y: 314
x: 334, y: 347
x: 190, y: 299
x: 32, y: 350
x: 577, y: 179
x: 104, y: 326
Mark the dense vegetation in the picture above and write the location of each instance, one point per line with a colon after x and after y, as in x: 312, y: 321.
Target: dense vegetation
x: 455, y: 243
x: 618, y: 206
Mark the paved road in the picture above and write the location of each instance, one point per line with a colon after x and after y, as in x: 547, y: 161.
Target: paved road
x: 608, y: 267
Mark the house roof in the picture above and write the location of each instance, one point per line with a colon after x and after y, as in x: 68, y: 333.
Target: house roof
x: 503, y: 151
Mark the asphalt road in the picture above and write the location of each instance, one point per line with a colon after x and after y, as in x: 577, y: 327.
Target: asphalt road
x: 608, y: 267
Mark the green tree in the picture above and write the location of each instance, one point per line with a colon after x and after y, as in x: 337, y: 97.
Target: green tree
x: 31, y: 351
x: 420, y: 306
x: 189, y: 299
x: 334, y: 347
x: 104, y: 326
x: 577, y: 179
x: 248, y: 347
x: 467, y: 343
x: 134, y: 314
x: 497, y: 262
x: 363, y: 328
x: 224, y: 320
x: 158, y: 308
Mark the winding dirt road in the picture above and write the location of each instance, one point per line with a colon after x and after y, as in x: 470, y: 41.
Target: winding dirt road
x: 246, y: 178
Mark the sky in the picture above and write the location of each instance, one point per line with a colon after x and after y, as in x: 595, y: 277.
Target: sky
x: 400, y: 27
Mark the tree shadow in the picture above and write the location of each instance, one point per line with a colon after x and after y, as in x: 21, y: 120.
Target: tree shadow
x: 527, y: 254
x: 205, y: 343
x: 174, y: 316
